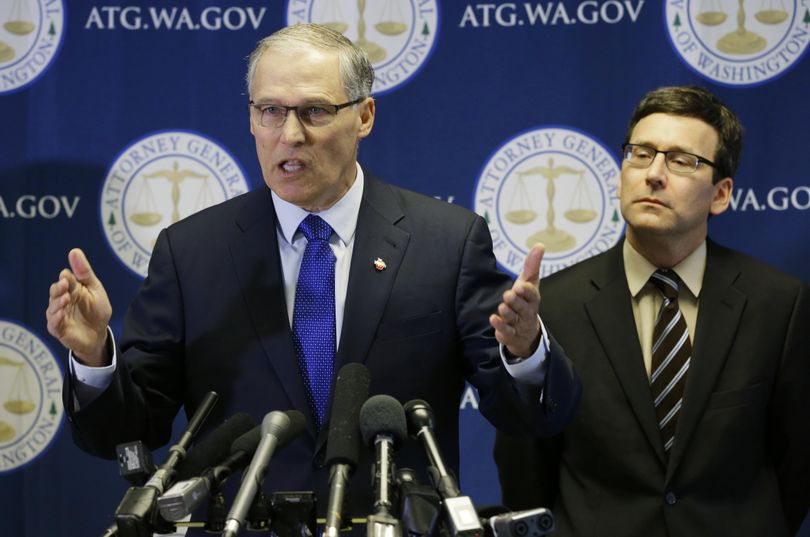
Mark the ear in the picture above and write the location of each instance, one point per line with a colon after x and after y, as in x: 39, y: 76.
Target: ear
x: 250, y: 122
x: 722, y: 195
x: 367, y: 111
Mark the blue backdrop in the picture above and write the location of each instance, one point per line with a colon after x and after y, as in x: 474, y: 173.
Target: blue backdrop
x: 119, y: 117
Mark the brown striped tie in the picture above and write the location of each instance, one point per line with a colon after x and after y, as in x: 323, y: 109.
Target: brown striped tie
x: 670, y: 356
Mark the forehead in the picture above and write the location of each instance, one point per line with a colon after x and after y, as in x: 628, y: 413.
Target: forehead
x: 298, y: 73
x: 667, y: 131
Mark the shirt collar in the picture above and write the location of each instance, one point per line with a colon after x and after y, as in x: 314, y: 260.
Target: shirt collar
x: 638, y: 270
x: 342, y: 216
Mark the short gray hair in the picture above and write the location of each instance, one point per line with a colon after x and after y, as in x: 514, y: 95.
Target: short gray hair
x: 356, y: 72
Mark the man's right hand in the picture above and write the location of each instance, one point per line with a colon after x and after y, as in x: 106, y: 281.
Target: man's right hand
x: 79, y: 311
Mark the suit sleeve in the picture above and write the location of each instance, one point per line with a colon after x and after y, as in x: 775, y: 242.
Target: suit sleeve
x: 790, y: 422
x: 507, y: 404
x: 528, y: 470
x: 148, y: 385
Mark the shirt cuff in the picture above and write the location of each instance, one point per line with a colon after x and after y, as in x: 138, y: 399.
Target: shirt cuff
x: 90, y: 382
x: 531, y: 370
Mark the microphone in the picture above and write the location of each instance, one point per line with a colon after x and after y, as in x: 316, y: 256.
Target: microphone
x: 532, y: 522
x: 419, y: 505
x: 343, y: 442
x: 461, y: 515
x: 278, y: 429
x: 136, y: 515
x: 382, y: 423
x: 209, y: 464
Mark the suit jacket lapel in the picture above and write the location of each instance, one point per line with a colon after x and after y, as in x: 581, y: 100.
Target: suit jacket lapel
x: 611, y: 313
x: 720, y: 309
x: 254, y: 249
x: 377, y: 237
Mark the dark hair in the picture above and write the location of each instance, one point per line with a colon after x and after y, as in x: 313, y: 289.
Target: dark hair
x: 696, y: 102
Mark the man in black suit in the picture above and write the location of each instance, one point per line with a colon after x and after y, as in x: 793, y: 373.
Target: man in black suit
x: 694, y: 417
x: 414, y: 295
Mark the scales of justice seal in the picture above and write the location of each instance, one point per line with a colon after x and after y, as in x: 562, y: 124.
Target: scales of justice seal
x: 739, y: 42
x: 156, y: 181
x: 552, y: 185
x: 397, y: 35
x: 30, y: 36
x: 31, y: 392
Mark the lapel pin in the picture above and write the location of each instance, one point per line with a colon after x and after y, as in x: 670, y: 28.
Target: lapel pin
x: 379, y: 265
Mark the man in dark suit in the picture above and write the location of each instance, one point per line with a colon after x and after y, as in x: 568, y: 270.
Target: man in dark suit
x: 414, y: 292
x: 694, y: 413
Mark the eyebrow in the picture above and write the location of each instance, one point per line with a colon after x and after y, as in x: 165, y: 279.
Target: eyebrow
x: 679, y: 148
x: 305, y: 102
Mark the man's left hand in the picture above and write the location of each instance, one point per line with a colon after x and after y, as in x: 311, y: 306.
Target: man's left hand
x: 516, y: 323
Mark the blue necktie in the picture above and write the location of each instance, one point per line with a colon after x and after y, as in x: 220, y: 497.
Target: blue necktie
x: 314, y: 314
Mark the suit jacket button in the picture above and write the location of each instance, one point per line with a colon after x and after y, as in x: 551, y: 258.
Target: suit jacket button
x: 670, y: 498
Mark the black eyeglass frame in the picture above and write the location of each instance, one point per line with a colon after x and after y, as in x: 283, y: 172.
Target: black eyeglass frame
x: 698, y: 159
x: 287, y: 109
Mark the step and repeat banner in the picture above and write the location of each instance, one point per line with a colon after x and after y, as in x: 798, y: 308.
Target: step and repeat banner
x: 121, y: 117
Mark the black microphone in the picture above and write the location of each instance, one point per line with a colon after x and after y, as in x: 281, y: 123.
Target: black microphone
x: 459, y: 510
x: 208, y: 465
x: 243, y: 447
x: 136, y: 515
x: 382, y: 422
x: 343, y: 442
x: 419, y: 505
x: 278, y: 428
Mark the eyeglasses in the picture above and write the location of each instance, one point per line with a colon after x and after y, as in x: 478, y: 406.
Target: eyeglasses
x: 273, y: 115
x: 676, y: 161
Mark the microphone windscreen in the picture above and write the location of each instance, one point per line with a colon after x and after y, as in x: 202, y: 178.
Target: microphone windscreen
x: 419, y: 414
x: 351, y: 391
x: 382, y: 414
x: 245, y: 446
x: 215, y: 447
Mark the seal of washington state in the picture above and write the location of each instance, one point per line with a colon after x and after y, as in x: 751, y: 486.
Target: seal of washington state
x: 398, y: 37
x: 739, y: 43
x: 156, y: 181
x: 31, y: 392
x: 30, y: 38
x: 554, y: 185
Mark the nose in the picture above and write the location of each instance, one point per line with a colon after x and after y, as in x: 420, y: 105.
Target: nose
x: 292, y: 130
x: 657, y: 171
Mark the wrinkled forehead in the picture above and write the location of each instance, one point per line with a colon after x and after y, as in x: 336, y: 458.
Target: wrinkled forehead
x: 298, y: 73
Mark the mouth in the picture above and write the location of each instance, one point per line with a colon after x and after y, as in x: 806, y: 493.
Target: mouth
x: 292, y: 166
x: 652, y: 201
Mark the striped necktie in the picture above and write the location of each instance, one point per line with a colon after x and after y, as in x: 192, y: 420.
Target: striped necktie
x: 671, y: 353
x: 314, y: 314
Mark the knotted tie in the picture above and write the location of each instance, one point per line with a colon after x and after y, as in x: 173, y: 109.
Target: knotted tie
x: 671, y: 353
x: 314, y: 314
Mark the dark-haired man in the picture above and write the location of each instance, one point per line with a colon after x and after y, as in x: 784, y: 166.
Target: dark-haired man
x: 694, y: 359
